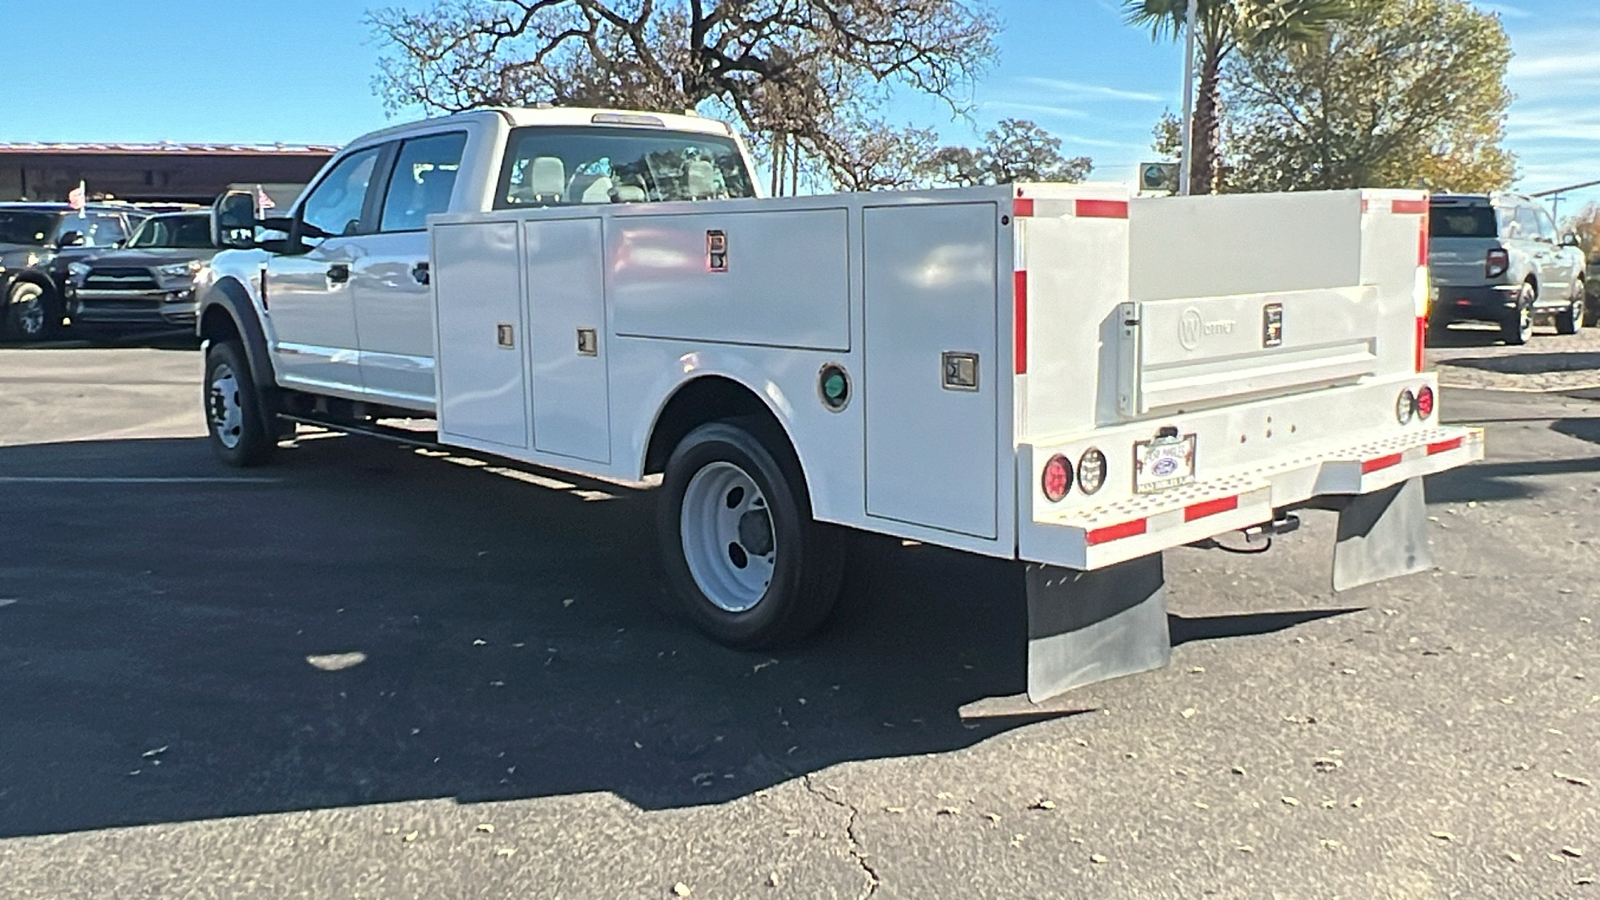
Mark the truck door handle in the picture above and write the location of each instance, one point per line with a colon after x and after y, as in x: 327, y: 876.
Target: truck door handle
x: 419, y: 272
x: 339, y: 273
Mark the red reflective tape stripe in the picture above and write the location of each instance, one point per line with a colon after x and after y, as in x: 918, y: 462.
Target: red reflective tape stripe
x: 1444, y: 446
x: 1022, y: 207
x: 1019, y: 320
x: 1101, y: 209
x: 1116, y: 532
x: 1420, y: 343
x: 1382, y: 462
x: 1409, y: 207
x: 1210, y: 508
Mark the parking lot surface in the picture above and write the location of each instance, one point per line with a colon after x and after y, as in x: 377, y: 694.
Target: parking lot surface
x: 374, y: 671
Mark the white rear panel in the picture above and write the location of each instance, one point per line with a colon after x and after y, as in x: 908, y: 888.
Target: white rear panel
x: 566, y: 293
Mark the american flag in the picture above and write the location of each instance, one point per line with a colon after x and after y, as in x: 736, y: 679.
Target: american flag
x: 78, y: 198
x: 263, y: 202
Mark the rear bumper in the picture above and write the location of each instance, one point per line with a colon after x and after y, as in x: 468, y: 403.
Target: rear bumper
x: 1252, y: 491
x: 1473, y: 302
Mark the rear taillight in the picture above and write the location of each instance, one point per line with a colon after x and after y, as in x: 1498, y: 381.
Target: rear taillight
x: 1497, y: 263
x: 1057, y: 478
x: 1405, y: 407
x: 1425, y: 402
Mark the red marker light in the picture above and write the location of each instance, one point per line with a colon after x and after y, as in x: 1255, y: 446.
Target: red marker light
x: 1057, y: 478
x: 1425, y: 402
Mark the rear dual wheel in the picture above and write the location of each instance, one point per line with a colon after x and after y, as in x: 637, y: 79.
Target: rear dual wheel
x: 743, y: 557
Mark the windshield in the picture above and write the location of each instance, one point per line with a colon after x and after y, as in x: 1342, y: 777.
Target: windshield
x: 189, y: 231
x: 26, y: 227
x: 1462, y: 222
x: 559, y: 166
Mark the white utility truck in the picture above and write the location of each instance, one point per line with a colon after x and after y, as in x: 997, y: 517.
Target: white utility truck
x: 1060, y: 375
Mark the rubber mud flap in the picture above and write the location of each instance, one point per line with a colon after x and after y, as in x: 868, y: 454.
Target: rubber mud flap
x: 1382, y: 535
x: 1086, y: 627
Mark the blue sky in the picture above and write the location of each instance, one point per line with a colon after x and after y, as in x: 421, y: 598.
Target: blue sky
x: 300, y: 71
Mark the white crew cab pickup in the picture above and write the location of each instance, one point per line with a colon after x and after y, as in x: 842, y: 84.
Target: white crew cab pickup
x: 1060, y: 375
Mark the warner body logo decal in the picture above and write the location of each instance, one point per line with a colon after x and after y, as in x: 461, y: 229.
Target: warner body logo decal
x: 1192, y: 327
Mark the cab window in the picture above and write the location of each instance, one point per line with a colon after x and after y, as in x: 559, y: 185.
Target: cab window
x: 1526, y: 227
x: 550, y: 166
x: 423, y: 179
x: 335, y: 205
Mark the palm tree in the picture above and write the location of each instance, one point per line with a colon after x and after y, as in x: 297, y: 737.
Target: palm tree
x: 1226, y: 25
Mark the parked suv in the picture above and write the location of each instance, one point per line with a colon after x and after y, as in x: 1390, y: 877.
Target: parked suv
x: 149, y: 281
x: 1497, y: 258
x: 32, y: 236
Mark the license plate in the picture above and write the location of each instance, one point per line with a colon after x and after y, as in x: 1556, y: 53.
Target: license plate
x: 1163, y: 463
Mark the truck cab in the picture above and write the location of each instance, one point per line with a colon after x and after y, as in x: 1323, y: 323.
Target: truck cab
x: 344, y: 298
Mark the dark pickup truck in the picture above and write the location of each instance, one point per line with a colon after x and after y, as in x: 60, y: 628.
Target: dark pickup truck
x: 33, y: 238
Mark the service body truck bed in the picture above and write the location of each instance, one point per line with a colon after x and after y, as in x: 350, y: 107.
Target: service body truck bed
x: 1061, y: 375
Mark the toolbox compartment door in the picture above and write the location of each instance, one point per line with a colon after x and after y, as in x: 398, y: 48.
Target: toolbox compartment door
x: 931, y: 283
x: 1188, y: 353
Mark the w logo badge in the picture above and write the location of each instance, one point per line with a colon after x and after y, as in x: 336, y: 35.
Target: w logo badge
x: 1190, y: 328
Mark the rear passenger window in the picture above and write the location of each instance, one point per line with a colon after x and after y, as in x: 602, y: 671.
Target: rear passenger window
x: 424, y: 177
x: 558, y: 166
x: 1526, y: 227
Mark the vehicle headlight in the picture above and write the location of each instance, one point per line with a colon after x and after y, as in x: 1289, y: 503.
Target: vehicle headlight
x: 78, y: 271
x: 180, y: 270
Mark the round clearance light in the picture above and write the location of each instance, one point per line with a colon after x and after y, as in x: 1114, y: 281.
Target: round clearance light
x: 1091, y: 470
x: 1057, y: 478
x: 1425, y: 402
x: 833, y: 386
x: 1405, y: 407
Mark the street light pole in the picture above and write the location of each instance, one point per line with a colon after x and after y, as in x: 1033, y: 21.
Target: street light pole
x: 1186, y: 165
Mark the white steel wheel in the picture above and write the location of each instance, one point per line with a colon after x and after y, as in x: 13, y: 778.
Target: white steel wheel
x: 728, y: 539
x: 742, y: 556
x: 223, y: 408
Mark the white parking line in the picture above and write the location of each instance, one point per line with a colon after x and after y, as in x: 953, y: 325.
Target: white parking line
x: 49, y: 479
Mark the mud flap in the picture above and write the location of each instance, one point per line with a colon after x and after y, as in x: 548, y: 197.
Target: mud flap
x: 1085, y: 627
x: 1382, y: 535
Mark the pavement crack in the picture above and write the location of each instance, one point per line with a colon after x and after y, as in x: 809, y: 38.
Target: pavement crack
x: 850, y: 834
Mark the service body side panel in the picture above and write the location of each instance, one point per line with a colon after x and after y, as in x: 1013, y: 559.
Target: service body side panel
x: 785, y: 281
x: 565, y: 285
x: 482, y: 376
x: 932, y: 365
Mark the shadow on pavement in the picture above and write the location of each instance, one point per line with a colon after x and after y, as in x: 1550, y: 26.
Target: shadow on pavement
x: 1211, y: 628
x: 361, y: 624
x: 79, y: 338
x: 1528, y: 363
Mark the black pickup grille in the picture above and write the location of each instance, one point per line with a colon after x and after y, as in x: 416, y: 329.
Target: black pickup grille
x: 113, y: 278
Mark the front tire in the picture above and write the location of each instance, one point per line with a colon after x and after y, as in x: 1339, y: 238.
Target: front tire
x: 1517, y: 327
x: 31, y: 313
x: 233, y: 408
x: 743, y: 557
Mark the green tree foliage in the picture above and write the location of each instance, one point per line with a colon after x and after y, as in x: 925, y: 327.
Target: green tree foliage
x: 1226, y: 26
x: 1404, y: 93
x: 1016, y: 150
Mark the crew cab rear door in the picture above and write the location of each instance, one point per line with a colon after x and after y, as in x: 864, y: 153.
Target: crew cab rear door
x: 391, y: 281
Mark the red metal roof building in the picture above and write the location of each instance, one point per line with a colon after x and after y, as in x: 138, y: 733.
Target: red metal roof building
x: 164, y: 172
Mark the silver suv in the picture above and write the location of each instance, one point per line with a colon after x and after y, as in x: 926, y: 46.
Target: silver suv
x: 1497, y: 258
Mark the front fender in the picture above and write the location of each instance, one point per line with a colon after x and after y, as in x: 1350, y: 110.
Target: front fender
x: 227, y: 296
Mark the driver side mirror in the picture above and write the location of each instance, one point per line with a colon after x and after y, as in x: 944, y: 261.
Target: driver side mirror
x: 70, y: 239
x: 233, y: 220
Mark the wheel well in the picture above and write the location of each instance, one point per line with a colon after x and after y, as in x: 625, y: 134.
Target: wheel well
x: 217, y: 325
x: 26, y: 277
x: 710, y: 398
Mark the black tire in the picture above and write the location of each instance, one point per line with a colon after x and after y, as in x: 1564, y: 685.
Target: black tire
x: 32, y: 313
x: 1517, y: 327
x: 1570, y: 320
x: 1591, y: 305
x: 234, y: 408
x: 807, y: 557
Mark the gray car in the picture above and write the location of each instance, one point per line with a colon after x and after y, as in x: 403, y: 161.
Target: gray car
x: 1497, y: 258
x: 149, y: 281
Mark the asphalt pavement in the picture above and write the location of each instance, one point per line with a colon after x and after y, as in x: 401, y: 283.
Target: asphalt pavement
x: 377, y: 671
